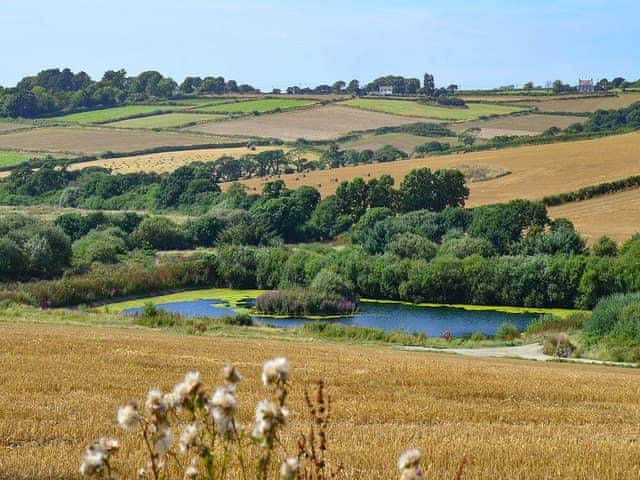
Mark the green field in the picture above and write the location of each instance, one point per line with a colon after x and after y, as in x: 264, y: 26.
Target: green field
x: 110, y: 114
x: 415, y: 109
x: 262, y: 105
x: 167, y: 120
x: 203, y: 101
x: 13, y: 158
x: 402, y: 141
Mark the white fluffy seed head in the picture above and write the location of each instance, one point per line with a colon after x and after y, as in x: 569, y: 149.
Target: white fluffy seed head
x: 155, y: 402
x: 164, y: 439
x: 409, y: 459
x: 231, y: 375
x: 128, y: 416
x: 289, y: 469
x: 223, y: 406
x: 274, y: 371
x: 188, y: 437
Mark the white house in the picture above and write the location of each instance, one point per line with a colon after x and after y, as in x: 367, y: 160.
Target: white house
x: 385, y: 90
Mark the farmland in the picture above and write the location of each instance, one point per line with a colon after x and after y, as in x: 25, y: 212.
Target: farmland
x: 536, y: 171
x: 167, y: 161
x: 319, y: 123
x: 616, y: 215
x: 587, y: 104
x: 9, y: 126
x: 415, y: 109
x: 402, y: 141
x: 93, y: 140
x: 8, y: 158
x: 167, y: 120
x: 111, y: 114
x: 260, y: 105
x: 531, y: 124
x: 511, y: 418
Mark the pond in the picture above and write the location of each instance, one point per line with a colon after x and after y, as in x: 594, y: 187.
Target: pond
x: 431, y: 321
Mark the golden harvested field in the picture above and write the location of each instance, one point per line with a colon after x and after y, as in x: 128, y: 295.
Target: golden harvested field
x: 616, y: 215
x: 513, y: 419
x: 588, y: 104
x: 167, y: 161
x: 536, y: 171
x: 313, y: 124
x: 517, y: 124
x: 95, y: 140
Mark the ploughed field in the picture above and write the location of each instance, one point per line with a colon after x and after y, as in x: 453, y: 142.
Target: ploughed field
x: 513, y: 419
x: 95, y: 140
x: 319, y: 123
x: 536, y: 171
x: 616, y: 215
x: 531, y: 124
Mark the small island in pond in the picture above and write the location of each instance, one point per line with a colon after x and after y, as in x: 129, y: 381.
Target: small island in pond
x: 305, y: 303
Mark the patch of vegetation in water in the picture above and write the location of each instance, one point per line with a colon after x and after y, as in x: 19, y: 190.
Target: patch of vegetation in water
x: 305, y: 303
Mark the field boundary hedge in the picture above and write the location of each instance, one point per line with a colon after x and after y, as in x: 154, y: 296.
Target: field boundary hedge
x: 592, y: 191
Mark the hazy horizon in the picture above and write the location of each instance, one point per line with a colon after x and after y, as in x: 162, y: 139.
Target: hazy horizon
x: 280, y: 43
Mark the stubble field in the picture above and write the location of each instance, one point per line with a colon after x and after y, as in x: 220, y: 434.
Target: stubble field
x: 167, y: 161
x: 319, y: 123
x: 616, y: 215
x: 512, y: 419
x: 536, y: 171
x: 587, y: 104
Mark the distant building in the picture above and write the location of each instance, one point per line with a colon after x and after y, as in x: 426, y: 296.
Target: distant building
x: 586, y: 86
x: 385, y: 90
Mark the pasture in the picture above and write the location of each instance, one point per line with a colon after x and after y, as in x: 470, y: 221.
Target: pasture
x: 321, y: 123
x: 536, y: 171
x: 261, y: 105
x: 8, y: 158
x: 111, y: 114
x: 167, y: 161
x: 415, y: 109
x: 586, y: 105
x: 616, y: 215
x: 512, y: 419
x: 167, y: 120
x: 403, y: 141
x: 531, y: 124
x: 79, y: 140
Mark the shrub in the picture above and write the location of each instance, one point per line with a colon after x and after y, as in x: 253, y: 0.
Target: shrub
x: 477, y: 337
x: 159, y: 233
x: 558, y: 345
x: 411, y: 245
x: 507, y: 331
x: 304, y: 303
x: 604, y: 247
x: 627, y: 328
x: 327, y: 281
x: 608, y: 312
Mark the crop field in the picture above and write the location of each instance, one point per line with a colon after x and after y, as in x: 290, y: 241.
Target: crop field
x: 403, y: 141
x: 616, y: 215
x: 512, y: 419
x: 110, y: 114
x: 9, y: 126
x: 536, y: 171
x: 260, y: 105
x: 415, y: 109
x: 320, y: 123
x: 167, y: 120
x: 203, y: 101
x: 588, y: 104
x: 531, y: 124
x: 167, y: 161
x: 94, y: 140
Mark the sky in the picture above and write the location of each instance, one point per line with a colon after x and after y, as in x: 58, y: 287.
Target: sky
x: 279, y: 43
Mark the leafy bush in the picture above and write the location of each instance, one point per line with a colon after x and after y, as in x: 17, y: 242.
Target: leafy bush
x: 411, y: 245
x: 507, y: 331
x: 608, y: 312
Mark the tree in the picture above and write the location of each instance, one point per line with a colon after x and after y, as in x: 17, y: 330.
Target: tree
x: 429, y: 85
x: 452, y: 89
x: 354, y: 87
x: 381, y: 192
x: 159, y: 233
x: 528, y: 86
x: 338, y: 87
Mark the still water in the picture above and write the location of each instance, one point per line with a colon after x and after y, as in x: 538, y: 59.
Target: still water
x: 432, y: 321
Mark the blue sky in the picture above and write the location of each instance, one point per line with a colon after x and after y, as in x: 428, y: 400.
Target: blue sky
x: 278, y: 43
